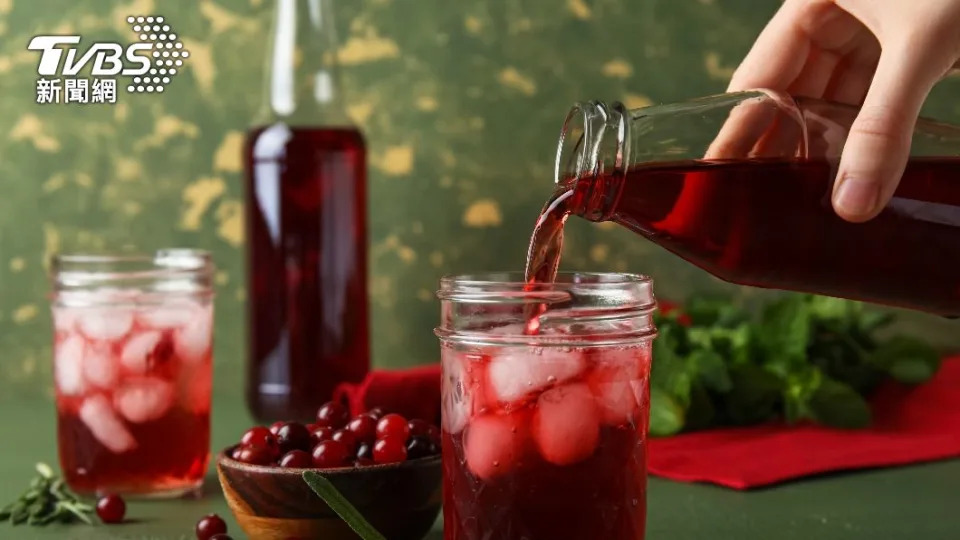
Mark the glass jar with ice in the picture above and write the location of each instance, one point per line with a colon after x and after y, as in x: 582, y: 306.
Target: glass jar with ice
x: 544, y: 425
x: 132, y: 370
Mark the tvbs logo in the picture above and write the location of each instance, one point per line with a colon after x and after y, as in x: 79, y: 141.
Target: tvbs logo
x: 108, y: 58
x: 151, y: 63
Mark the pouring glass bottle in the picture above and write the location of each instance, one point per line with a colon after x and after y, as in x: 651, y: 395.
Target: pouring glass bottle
x: 739, y: 184
x: 306, y: 223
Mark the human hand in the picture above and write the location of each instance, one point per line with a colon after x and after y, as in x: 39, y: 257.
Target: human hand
x: 883, y: 55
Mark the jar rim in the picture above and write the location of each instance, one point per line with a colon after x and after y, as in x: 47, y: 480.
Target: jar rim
x: 71, y: 271
x: 564, y: 280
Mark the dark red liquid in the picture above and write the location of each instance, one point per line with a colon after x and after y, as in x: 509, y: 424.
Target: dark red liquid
x: 770, y: 224
x: 171, y: 452
x: 307, y: 264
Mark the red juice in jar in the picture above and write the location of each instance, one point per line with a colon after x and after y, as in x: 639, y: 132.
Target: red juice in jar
x: 133, y: 374
x: 544, y: 436
x: 307, y: 292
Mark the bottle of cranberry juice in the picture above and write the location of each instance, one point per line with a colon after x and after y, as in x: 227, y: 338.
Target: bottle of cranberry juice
x: 739, y: 184
x: 306, y: 223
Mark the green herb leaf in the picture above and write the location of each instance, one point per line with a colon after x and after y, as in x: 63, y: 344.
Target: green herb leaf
x: 837, y: 405
x: 784, y: 334
x: 666, y: 415
x: 46, y: 500
x: 757, y: 397
x: 339, y: 504
x: 907, y: 359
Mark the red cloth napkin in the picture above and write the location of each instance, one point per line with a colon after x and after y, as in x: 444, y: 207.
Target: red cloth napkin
x: 412, y: 392
x: 910, y: 425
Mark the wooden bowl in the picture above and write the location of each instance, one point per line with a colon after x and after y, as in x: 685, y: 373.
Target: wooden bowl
x: 400, y: 500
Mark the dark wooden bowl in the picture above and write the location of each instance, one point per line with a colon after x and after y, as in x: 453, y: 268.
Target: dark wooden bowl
x: 400, y: 500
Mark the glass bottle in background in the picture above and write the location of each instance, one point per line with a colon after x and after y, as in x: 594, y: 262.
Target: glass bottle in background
x: 306, y: 224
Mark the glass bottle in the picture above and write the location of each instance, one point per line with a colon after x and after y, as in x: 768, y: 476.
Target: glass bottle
x: 306, y: 223
x: 739, y: 184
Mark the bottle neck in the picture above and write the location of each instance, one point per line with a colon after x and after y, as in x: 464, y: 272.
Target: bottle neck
x: 593, y: 156
x: 302, y: 84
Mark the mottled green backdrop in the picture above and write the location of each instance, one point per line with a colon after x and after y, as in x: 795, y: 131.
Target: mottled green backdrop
x: 461, y: 102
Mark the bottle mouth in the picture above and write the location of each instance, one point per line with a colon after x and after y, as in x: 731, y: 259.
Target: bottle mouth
x: 591, y: 141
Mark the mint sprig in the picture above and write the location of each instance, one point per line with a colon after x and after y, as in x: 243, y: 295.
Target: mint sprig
x: 802, y: 357
x: 47, y: 500
x: 339, y: 504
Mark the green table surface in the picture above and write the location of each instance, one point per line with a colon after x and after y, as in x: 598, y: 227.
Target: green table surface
x: 917, y: 502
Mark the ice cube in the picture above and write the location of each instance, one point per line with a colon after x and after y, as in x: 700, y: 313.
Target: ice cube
x: 99, y: 366
x: 105, y: 323
x: 195, y: 389
x: 193, y: 341
x: 566, y: 424
x: 68, y: 365
x: 516, y: 372
x: 143, y: 399
x: 97, y: 414
x: 171, y: 314
x: 494, y: 443
x: 64, y: 319
x: 612, y: 383
x: 135, y: 356
x: 455, y: 406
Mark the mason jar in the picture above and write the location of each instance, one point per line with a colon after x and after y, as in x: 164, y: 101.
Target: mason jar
x: 544, y: 432
x: 133, y: 342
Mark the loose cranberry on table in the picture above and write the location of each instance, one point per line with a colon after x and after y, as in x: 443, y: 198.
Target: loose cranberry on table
x: 364, y: 427
x: 296, y: 459
x: 294, y: 436
x: 221, y: 536
x: 329, y: 454
x: 210, y: 526
x: 111, y: 509
x: 390, y: 449
x: 333, y: 414
x: 393, y: 425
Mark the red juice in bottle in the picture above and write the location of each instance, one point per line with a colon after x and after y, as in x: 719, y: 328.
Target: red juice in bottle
x: 307, y: 292
x: 306, y: 222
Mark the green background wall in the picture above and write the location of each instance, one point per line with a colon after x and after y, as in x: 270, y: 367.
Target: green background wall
x: 460, y: 101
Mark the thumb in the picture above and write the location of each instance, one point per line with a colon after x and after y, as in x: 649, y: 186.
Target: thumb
x: 878, y: 145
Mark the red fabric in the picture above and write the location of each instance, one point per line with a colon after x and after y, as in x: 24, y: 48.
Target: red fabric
x: 412, y: 392
x: 910, y: 425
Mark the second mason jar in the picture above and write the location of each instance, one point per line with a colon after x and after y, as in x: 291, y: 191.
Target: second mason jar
x: 544, y: 436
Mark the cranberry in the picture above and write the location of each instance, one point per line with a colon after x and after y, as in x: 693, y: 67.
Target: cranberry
x: 293, y: 436
x: 322, y: 434
x: 254, y: 455
x: 393, y: 425
x: 260, y: 437
x: 296, y: 459
x: 434, y: 433
x: 390, y: 449
x: 365, y: 451
x: 418, y: 427
x: 420, y: 446
x: 333, y: 414
x: 209, y: 526
x: 221, y: 536
x: 347, y: 438
x: 329, y: 454
x: 275, y: 427
x: 364, y: 427
x: 111, y: 509
x: 363, y: 462
x: 377, y: 412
